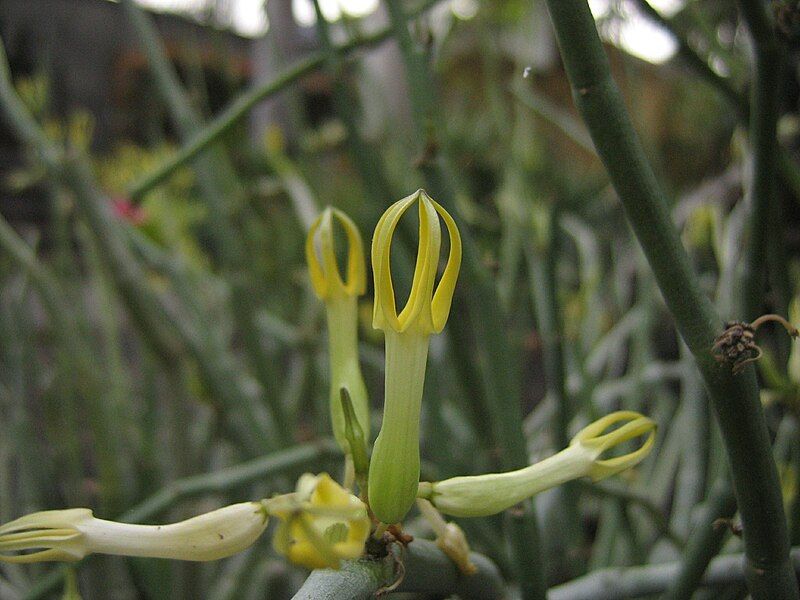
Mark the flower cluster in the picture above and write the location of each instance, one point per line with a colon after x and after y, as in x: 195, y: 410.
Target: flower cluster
x: 321, y: 522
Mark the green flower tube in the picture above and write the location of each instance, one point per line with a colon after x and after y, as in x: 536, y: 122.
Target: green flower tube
x: 341, y: 309
x: 394, y: 467
x: 483, y: 495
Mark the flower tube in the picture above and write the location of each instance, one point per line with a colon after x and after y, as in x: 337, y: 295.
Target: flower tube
x: 341, y: 308
x: 394, y: 468
x: 483, y: 495
x: 71, y: 534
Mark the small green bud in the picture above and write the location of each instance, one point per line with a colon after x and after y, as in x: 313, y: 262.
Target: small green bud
x: 355, y: 437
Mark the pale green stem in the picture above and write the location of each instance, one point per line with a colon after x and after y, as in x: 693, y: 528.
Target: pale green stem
x: 342, y: 314
x: 394, y: 469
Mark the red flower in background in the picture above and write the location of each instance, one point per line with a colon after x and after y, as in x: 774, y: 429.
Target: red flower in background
x: 126, y: 210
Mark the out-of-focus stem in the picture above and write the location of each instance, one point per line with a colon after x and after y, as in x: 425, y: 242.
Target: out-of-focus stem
x: 765, y: 218
x: 222, y: 191
x: 543, y: 257
x: 244, y: 103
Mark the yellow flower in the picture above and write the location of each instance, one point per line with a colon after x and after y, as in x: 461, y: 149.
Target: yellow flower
x: 426, y: 310
x: 322, y: 523
x: 483, y: 495
x: 341, y: 309
x: 69, y: 535
x: 325, y: 276
x: 394, y: 469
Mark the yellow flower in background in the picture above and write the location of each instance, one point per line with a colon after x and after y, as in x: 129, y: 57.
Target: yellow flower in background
x: 322, y: 266
x: 341, y: 309
x: 394, y: 469
x: 482, y: 495
x: 71, y: 534
x: 322, y: 523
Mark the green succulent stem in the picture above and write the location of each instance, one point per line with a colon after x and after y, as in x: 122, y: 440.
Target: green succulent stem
x: 734, y: 397
x: 394, y: 468
x: 342, y: 316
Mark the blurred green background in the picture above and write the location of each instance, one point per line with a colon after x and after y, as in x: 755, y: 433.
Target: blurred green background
x: 161, y: 351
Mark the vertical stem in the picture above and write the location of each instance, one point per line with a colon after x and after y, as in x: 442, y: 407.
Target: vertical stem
x: 735, y: 398
x: 697, y: 63
x: 765, y: 224
x: 704, y: 543
x: 366, y: 160
x: 542, y: 261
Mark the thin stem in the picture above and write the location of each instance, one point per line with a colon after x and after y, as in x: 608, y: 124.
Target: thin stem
x: 735, y: 398
x: 366, y: 160
x: 790, y: 329
x: 696, y: 62
x: 704, y: 544
x: 765, y: 221
x: 543, y: 256
x: 699, y: 65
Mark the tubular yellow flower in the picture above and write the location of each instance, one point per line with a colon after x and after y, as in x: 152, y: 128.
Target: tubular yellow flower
x: 483, y: 495
x: 69, y: 535
x: 394, y: 469
x: 322, y: 523
x: 341, y: 307
x: 325, y: 276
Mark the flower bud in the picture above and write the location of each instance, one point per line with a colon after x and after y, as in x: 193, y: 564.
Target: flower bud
x: 425, y: 311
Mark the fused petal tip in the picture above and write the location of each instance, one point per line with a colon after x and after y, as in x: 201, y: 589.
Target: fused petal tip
x: 426, y: 309
x: 634, y: 425
x: 323, y: 270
